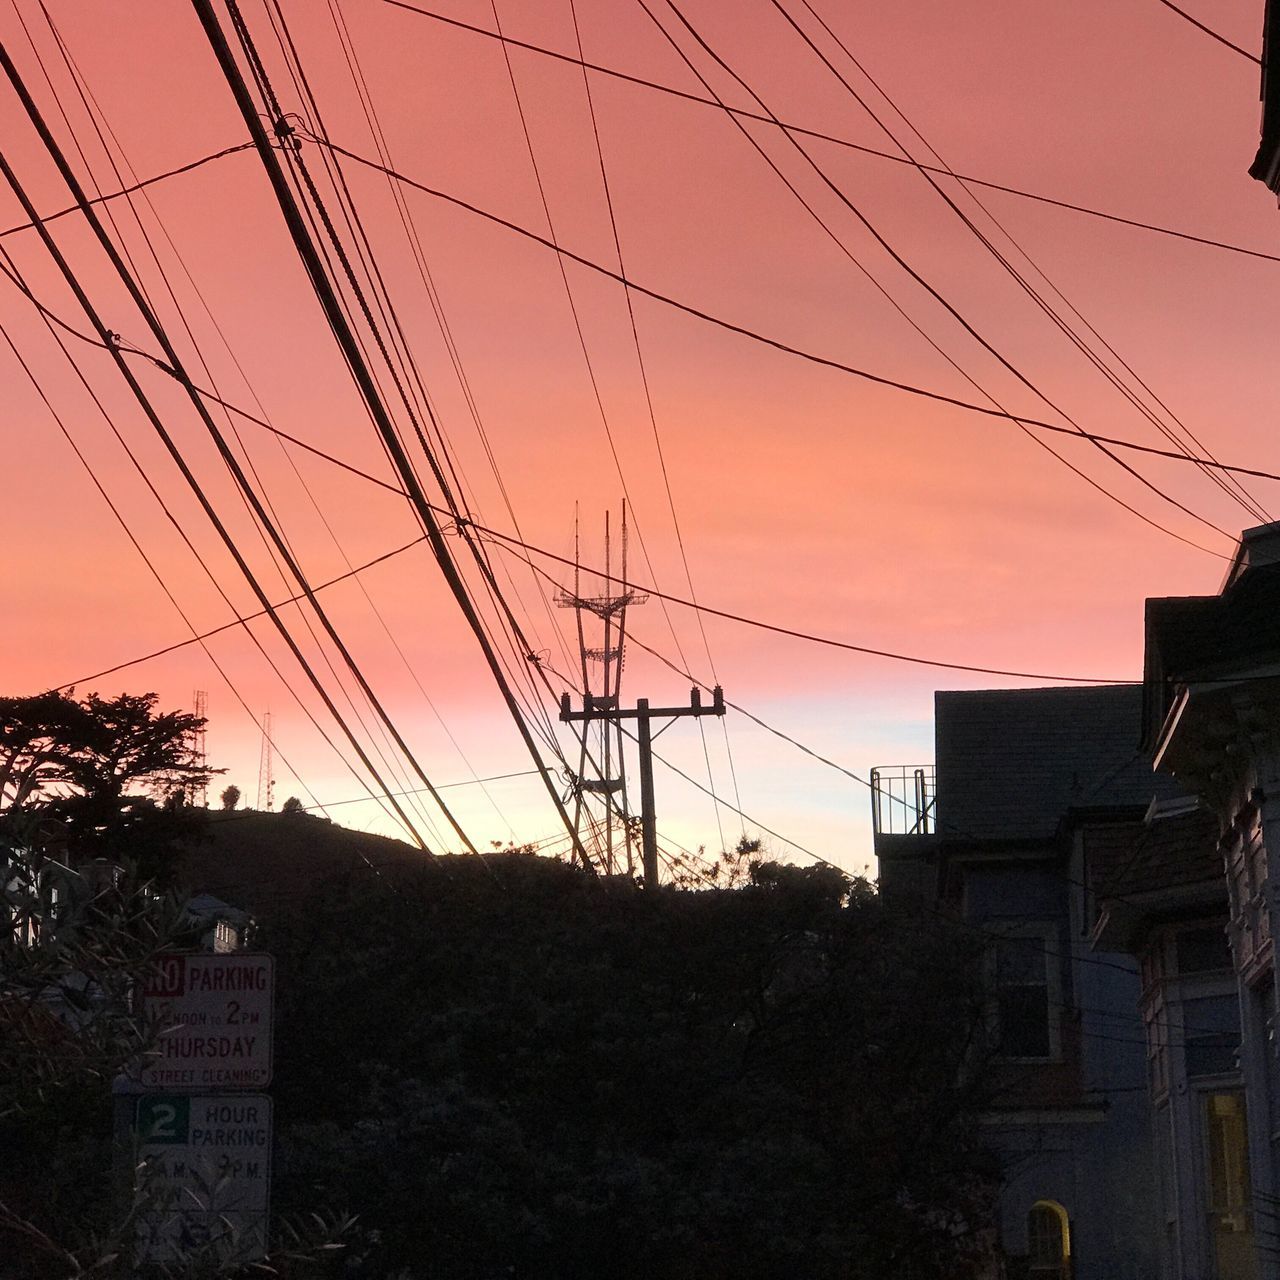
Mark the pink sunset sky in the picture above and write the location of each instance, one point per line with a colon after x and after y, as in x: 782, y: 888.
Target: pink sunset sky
x: 806, y: 497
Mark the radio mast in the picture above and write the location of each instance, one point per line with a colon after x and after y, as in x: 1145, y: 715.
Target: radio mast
x: 266, y: 768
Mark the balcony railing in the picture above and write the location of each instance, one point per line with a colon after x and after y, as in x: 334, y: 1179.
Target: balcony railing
x: 903, y: 802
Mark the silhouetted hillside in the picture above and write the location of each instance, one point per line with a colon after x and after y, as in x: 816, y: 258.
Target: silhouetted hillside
x: 257, y: 860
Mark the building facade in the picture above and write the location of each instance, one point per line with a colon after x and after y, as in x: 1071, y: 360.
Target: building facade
x: 1212, y: 722
x: 1038, y: 794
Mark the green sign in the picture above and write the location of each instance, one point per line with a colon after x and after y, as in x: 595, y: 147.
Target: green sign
x: 163, y: 1120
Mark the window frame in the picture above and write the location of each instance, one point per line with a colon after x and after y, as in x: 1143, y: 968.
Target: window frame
x: 1050, y: 934
x: 1061, y: 1265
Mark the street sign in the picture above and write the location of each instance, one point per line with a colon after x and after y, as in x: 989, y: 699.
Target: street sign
x: 204, y: 1176
x: 214, y: 1012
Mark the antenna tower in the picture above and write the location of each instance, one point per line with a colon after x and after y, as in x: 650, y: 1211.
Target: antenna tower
x: 601, y: 735
x: 198, y: 750
x: 266, y: 765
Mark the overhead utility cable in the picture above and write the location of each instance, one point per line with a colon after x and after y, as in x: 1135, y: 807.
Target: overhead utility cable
x: 106, y: 337
x: 395, y: 351
x: 910, y: 320
x: 94, y: 111
x: 326, y: 296
x: 405, y: 214
x: 934, y: 292
x: 819, y: 135
x: 438, y: 459
x: 830, y: 642
x: 129, y: 190
x: 196, y: 638
x: 1229, y: 486
x: 586, y: 353
x: 666, y: 300
x: 864, y: 782
x: 648, y: 399
x: 204, y: 565
x: 239, y: 620
x: 242, y: 482
x: 1210, y: 32
x: 451, y: 487
x: 776, y: 343
x: 253, y: 506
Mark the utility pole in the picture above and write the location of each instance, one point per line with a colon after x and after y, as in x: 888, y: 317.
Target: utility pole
x: 606, y: 708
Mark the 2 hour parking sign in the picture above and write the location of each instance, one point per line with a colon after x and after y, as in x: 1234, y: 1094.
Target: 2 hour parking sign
x: 203, y: 1176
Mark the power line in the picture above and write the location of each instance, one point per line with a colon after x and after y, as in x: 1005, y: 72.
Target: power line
x: 398, y: 340
x: 653, y: 419
x: 445, y: 786
x: 582, y: 341
x: 385, y: 306
x: 399, y: 198
x: 952, y: 827
x: 776, y: 343
x: 106, y: 337
x: 288, y: 457
x: 241, y: 620
x: 950, y: 308
x: 818, y: 135
x: 1209, y: 31
x: 1259, y: 473
x: 94, y: 111
x: 326, y: 296
x: 796, y: 634
x: 726, y: 615
x: 115, y: 511
x: 129, y: 190
x: 1231, y: 487
x: 405, y: 215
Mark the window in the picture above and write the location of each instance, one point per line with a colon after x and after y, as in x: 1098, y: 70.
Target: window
x: 1048, y: 1241
x: 1203, y: 950
x: 1025, y: 996
x: 1212, y: 1034
x: 1227, y: 1155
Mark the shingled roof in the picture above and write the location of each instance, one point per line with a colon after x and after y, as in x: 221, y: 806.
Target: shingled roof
x: 1171, y: 852
x: 1011, y: 763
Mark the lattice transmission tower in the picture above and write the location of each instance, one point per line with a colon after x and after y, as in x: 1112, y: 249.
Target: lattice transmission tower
x: 601, y: 813
x: 266, y: 768
x: 198, y: 746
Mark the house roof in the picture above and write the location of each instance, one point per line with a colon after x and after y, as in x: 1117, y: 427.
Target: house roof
x: 1013, y: 763
x: 1202, y: 637
x: 1266, y: 164
x: 1171, y: 852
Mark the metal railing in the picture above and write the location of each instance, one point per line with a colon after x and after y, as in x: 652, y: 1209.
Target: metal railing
x: 903, y: 802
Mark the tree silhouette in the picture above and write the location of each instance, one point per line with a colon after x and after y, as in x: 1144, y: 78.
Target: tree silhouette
x: 230, y: 797
x: 98, y: 777
x: 525, y: 1072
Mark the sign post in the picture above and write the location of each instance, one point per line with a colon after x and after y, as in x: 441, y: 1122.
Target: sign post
x: 203, y: 1153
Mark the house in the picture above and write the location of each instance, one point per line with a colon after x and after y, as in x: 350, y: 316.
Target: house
x: 1211, y: 720
x: 1035, y: 798
x: 1166, y: 904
